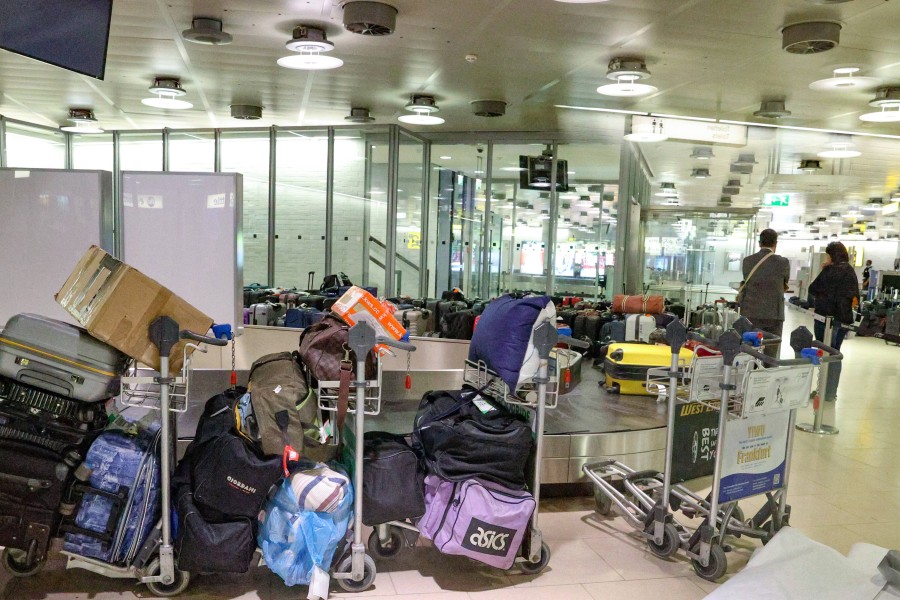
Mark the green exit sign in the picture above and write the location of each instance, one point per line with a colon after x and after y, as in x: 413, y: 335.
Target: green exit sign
x: 777, y: 199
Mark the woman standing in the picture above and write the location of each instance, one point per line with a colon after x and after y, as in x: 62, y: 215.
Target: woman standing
x: 835, y: 292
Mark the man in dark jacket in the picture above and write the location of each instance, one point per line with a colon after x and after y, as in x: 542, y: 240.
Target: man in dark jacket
x: 835, y: 289
x: 763, y: 292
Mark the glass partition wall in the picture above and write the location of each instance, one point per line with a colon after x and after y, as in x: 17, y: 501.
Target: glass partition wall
x: 390, y: 209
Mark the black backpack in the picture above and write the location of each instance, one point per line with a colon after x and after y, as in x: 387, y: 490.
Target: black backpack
x: 463, y: 434
x: 335, y: 281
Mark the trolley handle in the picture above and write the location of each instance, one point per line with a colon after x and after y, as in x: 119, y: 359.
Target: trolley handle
x: 570, y: 341
x: 833, y: 354
x: 395, y: 343
x: 768, y: 360
x: 190, y: 335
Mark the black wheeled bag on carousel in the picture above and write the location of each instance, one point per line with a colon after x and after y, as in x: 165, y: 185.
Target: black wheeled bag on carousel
x: 463, y: 434
x: 393, y: 479
x: 32, y: 483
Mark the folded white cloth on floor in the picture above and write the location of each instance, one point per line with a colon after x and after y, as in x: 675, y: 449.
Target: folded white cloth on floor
x: 792, y: 566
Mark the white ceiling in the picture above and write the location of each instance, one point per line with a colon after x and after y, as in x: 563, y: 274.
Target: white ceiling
x: 709, y: 58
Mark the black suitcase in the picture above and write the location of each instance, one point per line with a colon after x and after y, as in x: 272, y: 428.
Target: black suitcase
x: 33, y: 482
x: 458, y: 325
x: 316, y: 301
x: 568, y: 316
x: 56, y: 423
x: 393, y: 479
x: 592, y: 324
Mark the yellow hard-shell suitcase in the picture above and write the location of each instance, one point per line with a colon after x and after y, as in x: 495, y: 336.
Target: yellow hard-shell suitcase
x: 626, y: 365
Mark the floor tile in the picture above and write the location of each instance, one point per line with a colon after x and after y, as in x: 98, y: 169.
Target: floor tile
x: 552, y: 592
x: 571, y: 561
x: 671, y: 588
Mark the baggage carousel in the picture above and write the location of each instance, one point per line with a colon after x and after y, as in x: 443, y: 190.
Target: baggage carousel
x: 586, y: 425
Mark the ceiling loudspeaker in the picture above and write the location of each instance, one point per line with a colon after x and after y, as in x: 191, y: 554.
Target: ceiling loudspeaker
x: 772, y: 109
x: 359, y: 115
x: 811, y: 37
x: 488, y: 108
x: 370, y: 18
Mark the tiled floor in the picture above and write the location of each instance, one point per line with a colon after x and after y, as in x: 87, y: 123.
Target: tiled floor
x: 844, y: 489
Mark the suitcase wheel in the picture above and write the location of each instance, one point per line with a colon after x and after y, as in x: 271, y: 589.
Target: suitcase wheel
x: 16, y: 563
x: 157, y: 588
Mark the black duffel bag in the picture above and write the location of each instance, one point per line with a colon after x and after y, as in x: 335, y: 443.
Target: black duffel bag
x: 393, y: 479
x: 462, y: 434
x: 204, y: 547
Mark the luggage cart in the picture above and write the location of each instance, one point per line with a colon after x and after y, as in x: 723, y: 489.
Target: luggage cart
x: 154, y: 563
x: 644, y: 497
x: 541, y: 393
x: 355, y: 570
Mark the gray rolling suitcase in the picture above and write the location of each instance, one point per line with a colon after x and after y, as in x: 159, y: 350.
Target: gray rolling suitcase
x: 892, y: 322
x: 415, y: 321
x: 59, y: 358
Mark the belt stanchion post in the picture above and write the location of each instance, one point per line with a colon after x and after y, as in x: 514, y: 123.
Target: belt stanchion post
x: 819, y: 407
x: 676, y: 333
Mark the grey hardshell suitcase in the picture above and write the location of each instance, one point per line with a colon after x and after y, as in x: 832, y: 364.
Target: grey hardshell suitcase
x: 60, y: 358
x: 415, y: 321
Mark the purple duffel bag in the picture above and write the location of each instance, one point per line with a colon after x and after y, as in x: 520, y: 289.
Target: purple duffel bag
x: 484, y: 522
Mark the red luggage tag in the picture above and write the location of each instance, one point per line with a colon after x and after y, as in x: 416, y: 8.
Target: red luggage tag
x: 289, y: 457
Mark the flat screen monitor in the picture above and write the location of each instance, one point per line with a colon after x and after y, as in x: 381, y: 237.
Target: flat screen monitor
x: 72, y: 34
x: 535, y: 171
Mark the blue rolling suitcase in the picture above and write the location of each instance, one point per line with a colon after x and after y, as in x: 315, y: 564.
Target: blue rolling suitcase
x: 119, y: 504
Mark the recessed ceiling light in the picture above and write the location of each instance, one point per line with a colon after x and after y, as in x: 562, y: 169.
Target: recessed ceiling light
x: 83, y: 121
x: 844, y: 79
x: 445, y: 157
x: 422, y: 106
x: 667, y: 189
x: 626, y: 72
x: 887, y: 114
x: 167, y: 91
x: 309, y: 43
x: 840, y: 150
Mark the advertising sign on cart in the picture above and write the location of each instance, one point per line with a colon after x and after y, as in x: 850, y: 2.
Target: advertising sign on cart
x: 777, y: 390
x: 694, y: 443
x: 754, y: 453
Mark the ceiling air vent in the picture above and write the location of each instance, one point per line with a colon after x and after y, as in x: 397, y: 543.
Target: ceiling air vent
x: 370, y: 18
x: 488, y: 108
x: 811, y: 37
x: 246, y: 112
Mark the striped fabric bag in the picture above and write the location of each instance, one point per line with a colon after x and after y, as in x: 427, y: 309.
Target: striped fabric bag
x: 319, y: 489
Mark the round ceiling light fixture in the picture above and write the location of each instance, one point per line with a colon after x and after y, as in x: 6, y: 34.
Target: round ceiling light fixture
x: 167, y: 91
x: 844, y: 79
x: 888, y: 100
x: 702, y: 153
x: 359, y: 115
x: 82, y: 120
x: 840, y: 149
x: 626, y: 72
x: 772, y: 109
x: 205, y: 30
x: 422, y: 107
x: 309, y: 43
x: 667, y: 190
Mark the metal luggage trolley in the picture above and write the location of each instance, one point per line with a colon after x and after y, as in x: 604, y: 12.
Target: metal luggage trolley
x: 355, y: 570
x: 541, y: 393
x: 758, y: 398
x: 154, y: 563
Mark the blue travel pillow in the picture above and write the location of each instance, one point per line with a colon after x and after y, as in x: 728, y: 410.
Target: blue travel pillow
x: 502, y: 336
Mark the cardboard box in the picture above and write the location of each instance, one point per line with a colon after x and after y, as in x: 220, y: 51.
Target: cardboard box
x: 359, y: 305
x: 116, y: 303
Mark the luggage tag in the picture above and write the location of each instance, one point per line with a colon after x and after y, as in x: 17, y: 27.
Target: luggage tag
x: 482, y: 405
